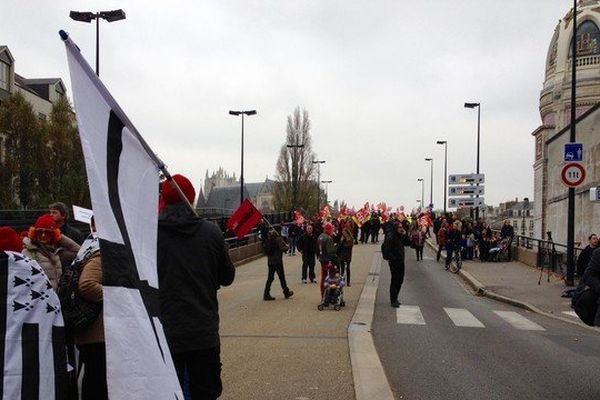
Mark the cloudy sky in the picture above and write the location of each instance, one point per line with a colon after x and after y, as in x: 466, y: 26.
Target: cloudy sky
x: 382, y: 80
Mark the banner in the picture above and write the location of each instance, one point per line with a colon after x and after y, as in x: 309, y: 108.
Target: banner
x: 124, y: 179
x: 244, y: 219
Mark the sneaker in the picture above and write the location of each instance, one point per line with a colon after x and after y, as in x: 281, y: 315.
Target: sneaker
x: 268, y: 297
x: 289, y: 294
x: 304, y: 281
x: 396, y: 304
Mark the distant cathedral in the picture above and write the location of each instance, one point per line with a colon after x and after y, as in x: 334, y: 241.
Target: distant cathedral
x: 219, y: 178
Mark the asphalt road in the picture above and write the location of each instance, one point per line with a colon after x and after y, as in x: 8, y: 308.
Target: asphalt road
x: 445, y: 343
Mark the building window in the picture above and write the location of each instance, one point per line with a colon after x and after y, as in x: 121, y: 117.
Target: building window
x: 588, y: 40
x: 531, y: 225
x: 4, y: 76
x: 41, y: 116
x: 538, y: 147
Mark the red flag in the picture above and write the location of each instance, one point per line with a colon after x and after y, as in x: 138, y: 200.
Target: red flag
x: 244, y: 219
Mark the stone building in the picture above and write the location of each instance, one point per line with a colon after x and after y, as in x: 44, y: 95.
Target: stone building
x: 550, y: 209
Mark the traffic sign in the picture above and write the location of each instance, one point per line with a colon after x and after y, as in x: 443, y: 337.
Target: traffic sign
x: 595, y: 194
x: 465, y: 202
x: 466, y: 190
x: 572, y: 174
x: 573, y: 152
x: 461, y: 179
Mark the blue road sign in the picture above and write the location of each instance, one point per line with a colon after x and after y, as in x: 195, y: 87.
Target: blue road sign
x: 573, y: 152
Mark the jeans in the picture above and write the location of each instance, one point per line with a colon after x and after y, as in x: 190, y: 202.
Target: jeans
x: 419, y: 251
x: 203, y: 367
x: 293, y: 241
x: 308, y: 265
x: 345, y: 270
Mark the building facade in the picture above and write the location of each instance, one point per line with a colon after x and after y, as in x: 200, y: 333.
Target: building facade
x: 550, y: 209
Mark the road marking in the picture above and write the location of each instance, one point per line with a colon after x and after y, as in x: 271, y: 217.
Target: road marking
x: 410, y: 315
x: 571, y: 313
x: 518, y: 321
x: 463, y: 317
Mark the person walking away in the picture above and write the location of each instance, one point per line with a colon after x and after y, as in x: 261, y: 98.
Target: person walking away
x: 375, y: 226
x: 591, y: 278
x: 46, y: 245
x: 393, y: 252
x: 441, y: 238
x: 307, y: 246
x: 293, y: 233
x: 327, y: 253
x: 193, y: 263
x: 60, y: 213
x: 453, y: 238
x: 586, y: 254
x: 276, y: 247
x: 345, y: 249
x: 418, y: 241
x: 508, y: 232
x: 285, y: 233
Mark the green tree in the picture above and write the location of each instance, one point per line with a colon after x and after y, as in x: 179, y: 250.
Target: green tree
x: 24, y: 146
x: 295, y: 172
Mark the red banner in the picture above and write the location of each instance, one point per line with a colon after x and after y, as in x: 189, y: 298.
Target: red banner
x: 244, y: 219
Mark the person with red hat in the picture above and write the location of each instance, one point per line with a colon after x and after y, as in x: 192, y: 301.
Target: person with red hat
x: 327, y: 253
x: 193, y: 263
x: 45, y: 244
x: 9, y: 239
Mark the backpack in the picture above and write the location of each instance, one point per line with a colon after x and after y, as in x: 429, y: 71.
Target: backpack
x: 585, y: 304
x: 78, y: 313
x: 384, y: 250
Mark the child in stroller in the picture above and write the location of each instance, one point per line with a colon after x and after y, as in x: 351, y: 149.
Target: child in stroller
x: 334, y: 290
x: 500, y: 252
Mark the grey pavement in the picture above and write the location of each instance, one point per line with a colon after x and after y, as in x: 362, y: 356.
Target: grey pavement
x: 287, y: 349
x: 446, y: 343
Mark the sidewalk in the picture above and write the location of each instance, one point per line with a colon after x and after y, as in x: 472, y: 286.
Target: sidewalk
x: 517, y: 284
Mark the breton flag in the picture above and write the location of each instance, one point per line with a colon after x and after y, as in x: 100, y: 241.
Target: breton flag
x: 32, y: 345
x: 244, y: 219
x: 123, y: 176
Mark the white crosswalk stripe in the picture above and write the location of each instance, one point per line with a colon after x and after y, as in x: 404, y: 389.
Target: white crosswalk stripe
x: 463, y: 317
x: 518, y: 321
x: 409, y: 315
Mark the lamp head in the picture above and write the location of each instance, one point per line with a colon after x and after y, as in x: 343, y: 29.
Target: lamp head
x: 471, y: 105
x: 441, y: 142
x: 82, y: 16
x: 112, y: 16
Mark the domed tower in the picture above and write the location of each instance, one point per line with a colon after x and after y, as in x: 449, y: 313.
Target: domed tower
x: 555, y: 112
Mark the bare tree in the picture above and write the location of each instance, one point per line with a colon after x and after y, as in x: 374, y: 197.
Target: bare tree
x: 295, y: 187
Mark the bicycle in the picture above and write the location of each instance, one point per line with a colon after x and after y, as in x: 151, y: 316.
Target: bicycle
x: 456, y: 262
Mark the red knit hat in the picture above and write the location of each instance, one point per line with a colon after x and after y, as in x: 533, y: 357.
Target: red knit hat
x: 9, y: 239
x: 45, y: 221
x: 328, y: 228
x: 170, y: 195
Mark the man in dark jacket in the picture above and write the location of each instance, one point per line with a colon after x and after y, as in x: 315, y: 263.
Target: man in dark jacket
x: 60, y: 213
x: 591, y: 278
x: 307, y: 245
x: 193, y: 263
x: 393, y: 252
x: 586, y: 254
x: 275, y: 248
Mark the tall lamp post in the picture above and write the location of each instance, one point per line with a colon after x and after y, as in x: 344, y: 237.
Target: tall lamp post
x: 431, y: 182
x: 87, y: 16
x: 478, y: 106
x: 318, y: 162
x: 242, y: 113
x: 422, y: 192
x: 326, y: 190
x: 295, y: 172
x: 445, y: 143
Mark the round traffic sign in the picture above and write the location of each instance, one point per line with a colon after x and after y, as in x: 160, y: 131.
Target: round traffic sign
x: 572, y: 174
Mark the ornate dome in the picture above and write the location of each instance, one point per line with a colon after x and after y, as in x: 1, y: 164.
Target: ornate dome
x: 555, y: 95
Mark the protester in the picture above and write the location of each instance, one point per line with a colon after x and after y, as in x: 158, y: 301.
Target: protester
x: 453, y: 238
x: 293, y: 233
x: 441, y: 238
x: 307, y: 246
x: 60, y: 213
x: 393, y: 252
x: 375, y: 226
x: 193, y: 263
x: 418, y: 241
x: 45, y: 244
x: 591, y: 278
x: 586, y: 254
x: 275, y: 248
x: 345, y: 245
x: 327, y: 253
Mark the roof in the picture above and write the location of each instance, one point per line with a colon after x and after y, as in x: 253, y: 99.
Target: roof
x: 227, y: 197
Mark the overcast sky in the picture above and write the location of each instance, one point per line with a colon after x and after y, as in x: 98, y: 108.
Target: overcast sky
x: 382, y: 80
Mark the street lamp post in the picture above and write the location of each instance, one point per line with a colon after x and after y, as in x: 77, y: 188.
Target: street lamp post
x: 422, y: 192
x: 326, y: 190
x: 318, y: 162
x: 445, y: 143
x: 295, y: 172
x: 87, y: 16
x: 242, y: 113
x: 431, y: 183
x: 478, y: 106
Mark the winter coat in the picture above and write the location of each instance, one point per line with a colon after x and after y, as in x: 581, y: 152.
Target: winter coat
x: 326, y: 249
x: 393, y: 247
x: 73, y: 233
x: 307, y: 245
x: 591, y: 278
x: 276, y: 247
x: 584, y: 259
x: 49, y: 257
x: 507, y: 231
x: 345, y: 246
x: 418, y: 238
x: 442, y: 236
x: 90, y: 288
x: 193, y: 263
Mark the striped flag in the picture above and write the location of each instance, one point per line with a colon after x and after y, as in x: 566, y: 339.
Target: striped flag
x: 123, y: 175
x: 32, y: 348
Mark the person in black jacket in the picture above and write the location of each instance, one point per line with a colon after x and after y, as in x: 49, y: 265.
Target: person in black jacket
x: 586, y: 254
x: 393, y: 252
x: 60, y: 213
x: 275, y: 248
x: 307, y: 246
x: 193, y: 263
x: 591, y: 278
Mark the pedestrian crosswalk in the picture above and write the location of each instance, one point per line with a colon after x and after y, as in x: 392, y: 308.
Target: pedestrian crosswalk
x: 461, y: 317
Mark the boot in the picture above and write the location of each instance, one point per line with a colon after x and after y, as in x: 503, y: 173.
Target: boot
x: 289, y: 294
x: 268, y: 297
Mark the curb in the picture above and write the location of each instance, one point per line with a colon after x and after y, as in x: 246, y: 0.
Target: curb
x: 370, y: 381
x: 481, y: 290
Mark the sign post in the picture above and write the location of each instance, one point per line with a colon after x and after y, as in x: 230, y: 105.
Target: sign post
x: 470, y: 185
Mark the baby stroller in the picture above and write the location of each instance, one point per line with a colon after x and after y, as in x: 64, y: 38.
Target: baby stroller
x: 334, y: 291
x: 500, y: 252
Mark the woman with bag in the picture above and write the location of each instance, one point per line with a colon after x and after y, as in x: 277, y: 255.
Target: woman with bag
x: 345, y: 244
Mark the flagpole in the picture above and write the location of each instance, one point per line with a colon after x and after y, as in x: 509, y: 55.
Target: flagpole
x: 121, y: 114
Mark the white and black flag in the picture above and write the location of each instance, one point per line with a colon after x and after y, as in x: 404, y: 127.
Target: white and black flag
x: 32, y: 345
x: 123, y: 177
